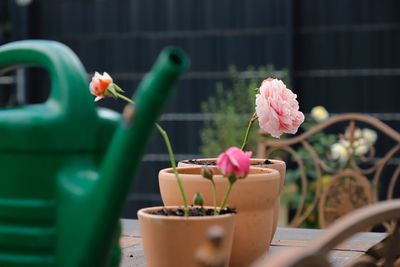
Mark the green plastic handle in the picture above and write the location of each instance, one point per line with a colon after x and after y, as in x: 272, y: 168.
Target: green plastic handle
x: 53, y: 125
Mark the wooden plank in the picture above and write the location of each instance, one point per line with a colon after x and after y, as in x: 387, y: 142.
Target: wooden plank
x: 129, y: 241
x: 296, y: 237
x: 131, y: 244
x: 130, y: 227
x: 132, y: 253
x: 132, y: 248
x: 337, y: 258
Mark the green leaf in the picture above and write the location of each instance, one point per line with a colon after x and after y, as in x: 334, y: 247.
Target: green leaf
x: 198, y: 199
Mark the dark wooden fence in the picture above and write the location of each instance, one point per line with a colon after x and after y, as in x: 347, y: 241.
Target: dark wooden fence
x: 341, y: 54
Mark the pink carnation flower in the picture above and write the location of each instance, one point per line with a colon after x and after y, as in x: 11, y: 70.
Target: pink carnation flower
x: 277, y: 108
x: 234, y: 160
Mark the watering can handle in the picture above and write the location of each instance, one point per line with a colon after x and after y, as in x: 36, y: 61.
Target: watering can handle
x: 70, y: 106
x: 67, y: 75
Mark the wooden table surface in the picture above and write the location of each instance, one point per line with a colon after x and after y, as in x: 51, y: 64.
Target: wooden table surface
x: 131, y: 243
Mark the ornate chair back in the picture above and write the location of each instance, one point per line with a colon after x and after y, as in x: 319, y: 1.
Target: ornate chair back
x: 346, y: 175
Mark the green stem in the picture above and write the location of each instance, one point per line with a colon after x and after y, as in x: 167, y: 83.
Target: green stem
x: 173, y: 164
x: 214, y: 197
x: 125, y: 98
x: 227, y: 192
x: 171, y: 158
x: 246, y: 137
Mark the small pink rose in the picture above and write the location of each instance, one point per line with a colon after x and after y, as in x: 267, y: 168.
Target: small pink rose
x: 99, y: 84
x: 277, y: 108
x: 234, y: 160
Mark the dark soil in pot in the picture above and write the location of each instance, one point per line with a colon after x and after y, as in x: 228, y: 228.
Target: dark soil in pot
x: 193, y: 211
x: 213, y: 163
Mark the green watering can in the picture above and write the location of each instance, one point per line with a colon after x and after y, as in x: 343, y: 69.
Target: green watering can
x: 66, y: 166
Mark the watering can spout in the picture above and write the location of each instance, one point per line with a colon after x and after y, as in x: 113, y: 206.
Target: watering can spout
x: 108, y: 192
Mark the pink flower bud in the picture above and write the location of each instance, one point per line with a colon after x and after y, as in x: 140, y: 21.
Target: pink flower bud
x: 207, y: 173
x: 277, y: 108
x: 235, y: 161
x: 99, y: 84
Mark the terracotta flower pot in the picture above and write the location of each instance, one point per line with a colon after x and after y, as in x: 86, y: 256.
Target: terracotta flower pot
x: 254, y: 199
x: 171, y: 241
x: 278, y: 165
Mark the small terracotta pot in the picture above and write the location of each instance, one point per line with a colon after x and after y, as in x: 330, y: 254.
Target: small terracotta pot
x: 171, y: 241
x: 253, y: 197
x: 278, y: 165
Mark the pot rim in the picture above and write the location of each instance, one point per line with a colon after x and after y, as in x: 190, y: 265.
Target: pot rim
x: 252, y: 160
x: 143, y: 212
x: 261, y: 174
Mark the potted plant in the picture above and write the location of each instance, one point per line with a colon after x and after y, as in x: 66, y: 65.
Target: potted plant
x: 277, y: 112
x: 254, y: 200
x: 275, y: 164
x: 217, y: 186
x: 173, y: 235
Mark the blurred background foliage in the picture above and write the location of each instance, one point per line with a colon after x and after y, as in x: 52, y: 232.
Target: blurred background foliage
x: 291, y: 194
x: 232, y: 107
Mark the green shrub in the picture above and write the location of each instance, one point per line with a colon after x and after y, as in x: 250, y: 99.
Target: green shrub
x: 231, y: 109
